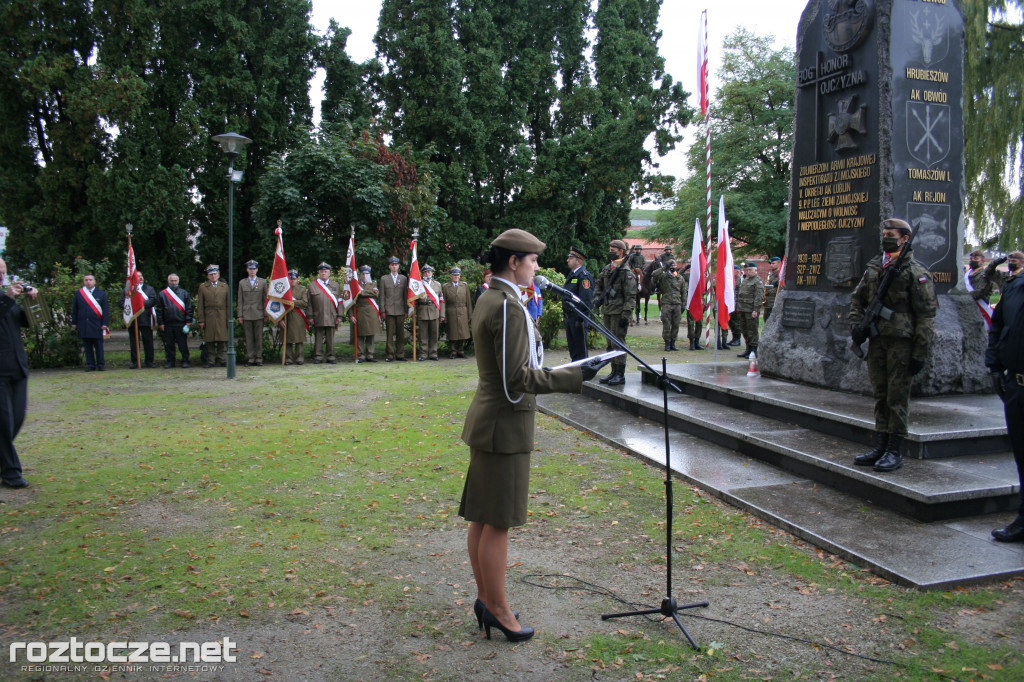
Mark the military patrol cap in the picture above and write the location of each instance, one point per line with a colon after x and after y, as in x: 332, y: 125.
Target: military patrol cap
x: 519, y: 241
x: 774, y: 259
x: 393, y: 259
x: 323, y: 266
x: 364, y: 268
x: 294, y: 274
x: 455, y: 271
x: 427, y: 268
x: 210, y: 269
x: 896, y: 224
x: 977, y: 252
x: 576, y: 252
x: 619, y: 244
x: 1015, y: 254
x: 251, y: 264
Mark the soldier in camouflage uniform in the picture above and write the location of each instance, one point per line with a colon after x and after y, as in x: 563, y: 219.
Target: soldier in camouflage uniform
x: 616, y: 291
x: 771, y: 287
x: 981, y: 282
x: 749, y: 299
x: 672, y: 286
x: 636, y: 262
x: 901, y: 347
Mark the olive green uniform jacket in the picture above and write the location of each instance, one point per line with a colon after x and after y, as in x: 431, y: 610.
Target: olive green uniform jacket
x: 296, y: 326
x: 325, y: 313
x: 252, y: 300
x: 367, y: 317
x: 458, y: 309
x: 212, y: 311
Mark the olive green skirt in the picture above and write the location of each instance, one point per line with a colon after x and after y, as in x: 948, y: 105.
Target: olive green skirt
x: 497, y: 488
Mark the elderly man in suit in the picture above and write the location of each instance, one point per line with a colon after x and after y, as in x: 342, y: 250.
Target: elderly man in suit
x: 90, y: 315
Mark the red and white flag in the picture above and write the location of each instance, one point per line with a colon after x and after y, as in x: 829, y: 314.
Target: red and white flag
x: 352, y: 287
x: 702, y: 62
x: 279, y: 289
x: 725, y: 282
x: 415, y: 283
x: 136, y: 303
x: 698, y: 275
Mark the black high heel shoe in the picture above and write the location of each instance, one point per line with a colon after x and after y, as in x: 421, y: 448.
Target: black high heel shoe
x: 490, y: 621
x: 478, y: 609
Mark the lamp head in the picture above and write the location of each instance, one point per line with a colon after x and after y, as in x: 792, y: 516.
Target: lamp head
x: 231, y: 143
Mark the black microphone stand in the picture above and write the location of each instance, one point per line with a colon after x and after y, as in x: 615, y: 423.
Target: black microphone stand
x: 669, y: 607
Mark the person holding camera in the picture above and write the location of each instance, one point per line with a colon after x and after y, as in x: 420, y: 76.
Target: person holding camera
x: 13, y: 379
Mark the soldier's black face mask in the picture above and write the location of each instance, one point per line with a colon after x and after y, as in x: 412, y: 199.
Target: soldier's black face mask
x: 613, y: 255
x: 890, y: 244
x: 975, y: 263
x: 672, y: 270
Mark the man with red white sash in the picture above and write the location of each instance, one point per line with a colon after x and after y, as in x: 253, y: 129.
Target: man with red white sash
x: 366, y: 315
x: 429, y: 309
x: 324, y: 295
x: 173, y: 316
x: 90, y: 315
x: 296, y: 321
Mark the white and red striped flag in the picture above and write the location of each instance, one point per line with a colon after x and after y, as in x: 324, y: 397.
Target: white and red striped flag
x: 725, y: 282
x: 279, y: 289
x: 983, y: 305
x: 352, y: 286
x: 416, y: 289
x: 136, y: 303
x: 698, y: 275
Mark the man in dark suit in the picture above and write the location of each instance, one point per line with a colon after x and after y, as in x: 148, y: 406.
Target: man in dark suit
x: 581, y: 283
x: 146, y: 320
x: 13, y: 382
x: 90, y: 315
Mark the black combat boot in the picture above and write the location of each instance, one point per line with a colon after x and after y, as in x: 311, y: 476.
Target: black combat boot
x: 668, y: 346
x: 673, y: 346
x: 746, y: 353
x: 692, y: 342
x: 892, y: 459
x: 874, y: 454
x: 617, y: 379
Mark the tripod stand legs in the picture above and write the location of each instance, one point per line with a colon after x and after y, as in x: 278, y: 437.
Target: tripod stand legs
x: 668, y: 608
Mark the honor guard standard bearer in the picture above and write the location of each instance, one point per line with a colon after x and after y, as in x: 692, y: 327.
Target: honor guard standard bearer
x: 323, y: 302
x: 296, y: 321
x: 173, y: 316
x: 581, y: 283
x: 749, y: 299
x: 146, y: 321
x: 616, y: 293
x: 429, y: 310
x: 673, y: 287
x: 1005, y: 358
x: 458, y: 313
x: 394, y: 306
x: 213, y: 315
x: 367, y: 314
x: 771, y: 286
x: 252, y: 302
x: 893, y: 308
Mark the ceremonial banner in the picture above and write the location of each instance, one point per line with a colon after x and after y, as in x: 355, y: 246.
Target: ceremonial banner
x: 136, y: 303
x: 352, y: 286
x: 279, y: 289
x: 725, y: 283
x: 416, y: 289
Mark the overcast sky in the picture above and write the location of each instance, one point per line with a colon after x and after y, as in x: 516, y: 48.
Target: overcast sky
x: 679, y: 25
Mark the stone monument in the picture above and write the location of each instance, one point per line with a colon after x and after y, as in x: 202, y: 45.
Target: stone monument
x: 879, y: 133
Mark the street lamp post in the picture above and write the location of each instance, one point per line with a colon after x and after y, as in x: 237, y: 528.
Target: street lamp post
x: 232, y: 144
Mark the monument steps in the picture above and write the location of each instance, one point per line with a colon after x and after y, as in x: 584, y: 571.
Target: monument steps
x: 925, y: 525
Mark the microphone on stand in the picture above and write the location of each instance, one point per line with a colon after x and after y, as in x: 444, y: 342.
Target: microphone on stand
x: 545, y: 283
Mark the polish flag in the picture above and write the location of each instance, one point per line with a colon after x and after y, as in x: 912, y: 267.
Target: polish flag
x: 698, y: 277
x: 279, y: 289
x: 725, y: 284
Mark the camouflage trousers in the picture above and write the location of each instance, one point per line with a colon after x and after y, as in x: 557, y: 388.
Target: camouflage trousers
x: 748, y: 327
x: 618, y: 324
x: 671, y: 314
x: 693, y: 326
x: 888, y: 370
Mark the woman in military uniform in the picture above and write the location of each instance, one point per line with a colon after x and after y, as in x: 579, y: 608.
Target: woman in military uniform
x: 500, y: 421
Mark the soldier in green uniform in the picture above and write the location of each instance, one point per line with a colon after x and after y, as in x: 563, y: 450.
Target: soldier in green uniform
x: 458, y: 313
x: 904, y: 338
x: 665, y: 256
x: 749, y: 299
x: 252, y: 301
x: 636, y: 262
x: 982, y: 281
x: 771, y: 286
x: 296, y: 322
x: 616, y: 291
x: 427, y: 315
x: 326, y: 313
x: 367, y: 315
x: 213, y: 314
x: 672, y: 286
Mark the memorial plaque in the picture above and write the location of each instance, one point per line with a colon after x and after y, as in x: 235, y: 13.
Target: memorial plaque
x: 798, y: 313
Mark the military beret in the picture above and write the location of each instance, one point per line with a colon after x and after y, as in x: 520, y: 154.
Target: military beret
x: 619, y: 244
x: 427, y: 268
x: 774, y: 259
x: 323, y: 266
x: 364, y: 268
x: 737, y: 267
x: 519, y: 241
x: 750, y: 264
x: 668, y: 248
x: 251, y: 264
x: 455, y: 271
x: 294, y: 274
x: 576, y: 252
x: 896, y: 224
x: 210, y: 269
x: 393, y: 259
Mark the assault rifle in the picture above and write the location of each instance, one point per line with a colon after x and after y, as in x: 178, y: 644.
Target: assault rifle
x: 610, y: 292
x: 867, y: 328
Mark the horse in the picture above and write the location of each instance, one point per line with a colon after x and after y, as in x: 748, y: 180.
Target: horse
x: 645, y: 287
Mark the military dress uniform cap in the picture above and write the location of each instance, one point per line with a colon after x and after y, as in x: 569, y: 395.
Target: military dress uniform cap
x: 210, y: 269
x: 364, y: 268
x: 323, y: 266
x: 896, y: 224
x: 577, y: 252
x: 774, y: 259
x: 427, y: 268
x: 294, y: 274
x: 455, y: 271
x: 619, y: 244
x: 519, y: 241
x: 393, y: 259
x: 251, y: 264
